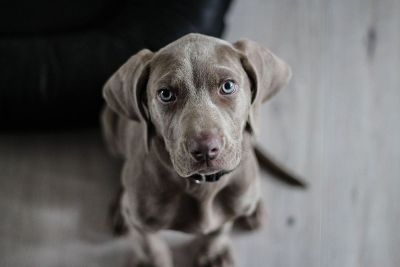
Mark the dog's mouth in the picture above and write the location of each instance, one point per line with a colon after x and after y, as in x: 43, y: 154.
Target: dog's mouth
x: 201, y: 178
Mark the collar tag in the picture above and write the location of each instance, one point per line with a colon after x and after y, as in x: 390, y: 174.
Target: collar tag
x: 201, y: 178
x: 198, y: 178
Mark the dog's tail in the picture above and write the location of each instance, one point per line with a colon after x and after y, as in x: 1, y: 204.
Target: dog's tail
x: 277, y: 171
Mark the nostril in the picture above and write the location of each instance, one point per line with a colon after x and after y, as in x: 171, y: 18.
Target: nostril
x: 213, y: 153
x: 198, y: 155
x: 214, y: 150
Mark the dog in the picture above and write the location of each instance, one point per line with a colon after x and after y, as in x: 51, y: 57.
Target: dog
x: 184, y: 120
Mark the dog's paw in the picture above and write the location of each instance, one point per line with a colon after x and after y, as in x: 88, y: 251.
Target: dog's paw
x: 116, y: 219
x: 252, y: 222
x: 144, y: 264
x: 221, y: 258
x: 140, y: 260
x: 140, y: 263
x: 148, y: 261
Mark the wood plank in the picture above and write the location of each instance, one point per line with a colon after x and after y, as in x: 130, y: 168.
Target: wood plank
x: 338, y: 124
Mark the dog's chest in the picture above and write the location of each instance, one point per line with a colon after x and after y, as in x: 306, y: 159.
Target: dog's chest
x: 198, y: 210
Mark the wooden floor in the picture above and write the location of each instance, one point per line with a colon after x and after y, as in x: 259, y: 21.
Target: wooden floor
x: 337, y: 124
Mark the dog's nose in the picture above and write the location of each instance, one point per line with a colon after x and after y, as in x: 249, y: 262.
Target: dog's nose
x: 204, y: 147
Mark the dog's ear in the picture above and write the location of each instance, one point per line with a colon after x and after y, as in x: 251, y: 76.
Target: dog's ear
x: 267, y: 73
x: 125, y: 91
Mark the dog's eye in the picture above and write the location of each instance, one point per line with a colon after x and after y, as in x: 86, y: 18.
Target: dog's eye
x: 228, y: 87
x: 166, y: 95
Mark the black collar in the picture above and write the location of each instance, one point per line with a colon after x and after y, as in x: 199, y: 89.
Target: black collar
x: 198, y: 178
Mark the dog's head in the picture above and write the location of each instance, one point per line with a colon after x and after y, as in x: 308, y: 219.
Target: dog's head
x: 199, y: 94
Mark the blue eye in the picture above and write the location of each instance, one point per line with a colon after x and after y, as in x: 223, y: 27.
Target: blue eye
x: 228, y: 87
x: 166, y: 95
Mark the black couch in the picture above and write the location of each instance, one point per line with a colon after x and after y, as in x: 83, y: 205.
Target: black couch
x: 56, y: 55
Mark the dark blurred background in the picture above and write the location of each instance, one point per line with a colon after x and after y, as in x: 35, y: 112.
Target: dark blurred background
x: 337, y: 124
x: 56, y: 55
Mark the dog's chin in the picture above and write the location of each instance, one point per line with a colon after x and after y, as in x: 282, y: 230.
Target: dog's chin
x: 204, y: 168
x: 203, y: 171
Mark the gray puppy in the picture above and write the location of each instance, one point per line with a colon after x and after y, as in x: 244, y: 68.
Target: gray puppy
x: 183, y: 119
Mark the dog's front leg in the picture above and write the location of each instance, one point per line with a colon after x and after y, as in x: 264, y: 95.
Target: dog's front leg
x: 253, y: 221
x: 215, y: 248
x: 149, y: 250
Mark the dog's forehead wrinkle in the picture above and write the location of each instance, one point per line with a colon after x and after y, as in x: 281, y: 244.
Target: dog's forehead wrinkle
x: 194, y: 65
